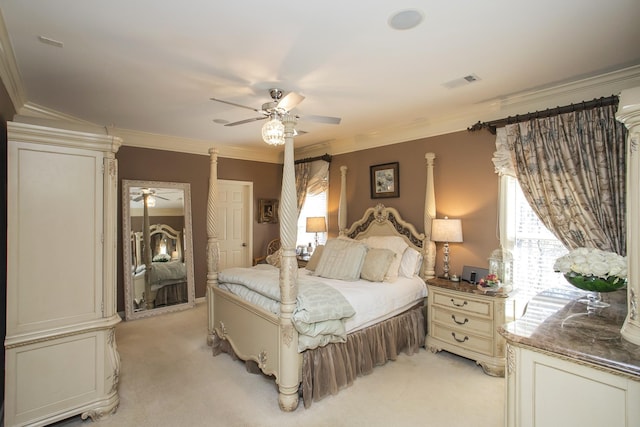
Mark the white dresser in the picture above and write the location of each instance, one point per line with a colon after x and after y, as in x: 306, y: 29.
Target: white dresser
x: 61, y: 358
x: 464, y: 321
x: 568, y: 366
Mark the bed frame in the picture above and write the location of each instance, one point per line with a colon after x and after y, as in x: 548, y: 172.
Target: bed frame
x: 269, y: 340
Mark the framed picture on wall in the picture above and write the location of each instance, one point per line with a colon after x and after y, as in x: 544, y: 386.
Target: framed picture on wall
x: 268, y: 211
x: 385, y: 180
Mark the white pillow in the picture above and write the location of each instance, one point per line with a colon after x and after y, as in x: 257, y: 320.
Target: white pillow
x: 376, y: 264
x: 341, y: 259
x: 410, y: 263
x: 394, y: 243
x: 315, y: 258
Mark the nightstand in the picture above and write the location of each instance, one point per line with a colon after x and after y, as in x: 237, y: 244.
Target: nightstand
x: 464, y: 320
x: 303, y: 260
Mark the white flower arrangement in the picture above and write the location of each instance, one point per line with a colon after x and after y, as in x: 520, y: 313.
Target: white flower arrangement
x: 592, y: 262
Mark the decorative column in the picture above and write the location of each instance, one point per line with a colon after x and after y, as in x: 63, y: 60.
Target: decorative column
x: 289, y: 378
x: 213, y: 246
x: 342, y: 206
x: 429, y: 215
x: 629, y: 114
x: 147, y: 250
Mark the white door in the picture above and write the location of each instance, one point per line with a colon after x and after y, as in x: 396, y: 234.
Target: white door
x: 235, y: 232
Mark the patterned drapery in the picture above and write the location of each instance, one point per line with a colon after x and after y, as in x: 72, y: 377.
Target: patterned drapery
x: 303, y: 173
x: 572, y: 170
x: 311, y: 178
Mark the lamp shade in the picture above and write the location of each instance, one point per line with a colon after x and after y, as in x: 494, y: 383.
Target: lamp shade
x: 446, y: 230
x: 316, y: 224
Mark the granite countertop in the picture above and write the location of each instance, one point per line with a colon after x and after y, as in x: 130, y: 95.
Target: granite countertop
x: 462, y: 286
x: 556, y: 321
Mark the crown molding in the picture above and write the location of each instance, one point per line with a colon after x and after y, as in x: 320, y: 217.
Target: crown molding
x: 9, y: 73
x: 606, y: 84
x: 34, y: 114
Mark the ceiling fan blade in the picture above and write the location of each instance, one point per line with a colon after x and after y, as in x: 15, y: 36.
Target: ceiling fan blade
x: 241, y: 122
x: 137, y: 199
x: 321, y: 119
x: 235, y: 105
x: 160, y: 197
x: 290, y: 101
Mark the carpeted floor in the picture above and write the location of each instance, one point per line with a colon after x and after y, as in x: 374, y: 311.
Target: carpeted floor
x: 169, y: 378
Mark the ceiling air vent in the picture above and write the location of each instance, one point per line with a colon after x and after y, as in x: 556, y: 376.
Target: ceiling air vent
x: 463, y: 81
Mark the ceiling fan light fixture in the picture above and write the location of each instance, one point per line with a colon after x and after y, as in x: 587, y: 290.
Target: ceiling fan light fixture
x: 273, y: 132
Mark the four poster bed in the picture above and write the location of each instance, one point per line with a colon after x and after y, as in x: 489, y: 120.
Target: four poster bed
x: 161, y: 281
x: 259, y: 315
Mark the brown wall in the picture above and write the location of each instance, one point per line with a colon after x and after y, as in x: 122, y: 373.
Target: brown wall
x: 466, y: 187
x: 169, y: 166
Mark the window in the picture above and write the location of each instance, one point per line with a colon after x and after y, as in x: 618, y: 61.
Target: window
x: 534, y: 248
x: 314, y: 205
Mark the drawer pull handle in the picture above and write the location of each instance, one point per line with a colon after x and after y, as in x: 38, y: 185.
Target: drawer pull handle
x: 453, y: 334
x: 453, y: 316
x: 458, y: 305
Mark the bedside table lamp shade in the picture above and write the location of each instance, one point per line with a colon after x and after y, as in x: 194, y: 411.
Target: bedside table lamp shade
x: 448, y: 231
x: 316, y: 224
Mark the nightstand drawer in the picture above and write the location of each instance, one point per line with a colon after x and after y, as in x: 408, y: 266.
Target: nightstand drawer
x: 463, y: 339
x: 460, y: 301
x: 462, y: 321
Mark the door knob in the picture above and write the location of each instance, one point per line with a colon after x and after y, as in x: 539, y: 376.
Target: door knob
x: 244, y: 245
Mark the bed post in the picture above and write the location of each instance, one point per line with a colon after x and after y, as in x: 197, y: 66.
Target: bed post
x: 342, y: 206
x: 213, y: 248
x: 429, y: 215
x: 288, y: 381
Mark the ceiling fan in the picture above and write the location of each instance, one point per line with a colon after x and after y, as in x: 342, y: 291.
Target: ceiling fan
x: 148, y: 192
x: 277, y: 107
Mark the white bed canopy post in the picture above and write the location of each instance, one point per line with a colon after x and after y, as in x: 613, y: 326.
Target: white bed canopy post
x: 213, y: 247
x: 289, y: 375
x: 429, y: 216
x: 342, y: 206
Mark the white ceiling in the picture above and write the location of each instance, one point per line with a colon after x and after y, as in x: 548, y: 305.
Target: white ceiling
x: 140, y: 67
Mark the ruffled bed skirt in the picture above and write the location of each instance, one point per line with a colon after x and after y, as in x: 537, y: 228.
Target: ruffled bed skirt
x: 326, y: 370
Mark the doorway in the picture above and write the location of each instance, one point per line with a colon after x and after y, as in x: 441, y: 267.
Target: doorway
x: 235, y: 228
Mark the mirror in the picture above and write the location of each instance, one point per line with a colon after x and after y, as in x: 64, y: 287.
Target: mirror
x: 158, y: 249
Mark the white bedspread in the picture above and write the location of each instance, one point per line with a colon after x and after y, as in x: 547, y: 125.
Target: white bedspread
x: 320, y: 311
x: 376, y: 301
x: 372, y: 301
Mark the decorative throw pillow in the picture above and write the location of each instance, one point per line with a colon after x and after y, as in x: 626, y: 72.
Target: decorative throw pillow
x: 376, y: 264
x: 341, y: 259
x: 410, y: 263
x: 312, y: 264
x: 275, y: 258
x: 394, y: 243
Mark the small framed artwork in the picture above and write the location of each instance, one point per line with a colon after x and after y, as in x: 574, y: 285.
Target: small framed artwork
x: 385, y: 180
x: 268, y: 211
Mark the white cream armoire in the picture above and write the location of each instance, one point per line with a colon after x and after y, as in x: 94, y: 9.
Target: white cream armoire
x: 60, y: 348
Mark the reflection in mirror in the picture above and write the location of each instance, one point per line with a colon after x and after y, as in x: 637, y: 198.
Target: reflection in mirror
x: 158, y: 248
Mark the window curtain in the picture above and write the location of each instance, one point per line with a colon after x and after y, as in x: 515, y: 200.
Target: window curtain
x: 303, y: 174
x: 572, y: 170
x: 311, y: 178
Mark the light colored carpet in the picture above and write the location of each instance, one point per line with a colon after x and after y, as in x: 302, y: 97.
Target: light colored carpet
x: 169, y: 378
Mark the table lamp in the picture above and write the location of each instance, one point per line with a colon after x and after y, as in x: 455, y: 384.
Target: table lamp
x: 316, y: 224
x: 448, y: 231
